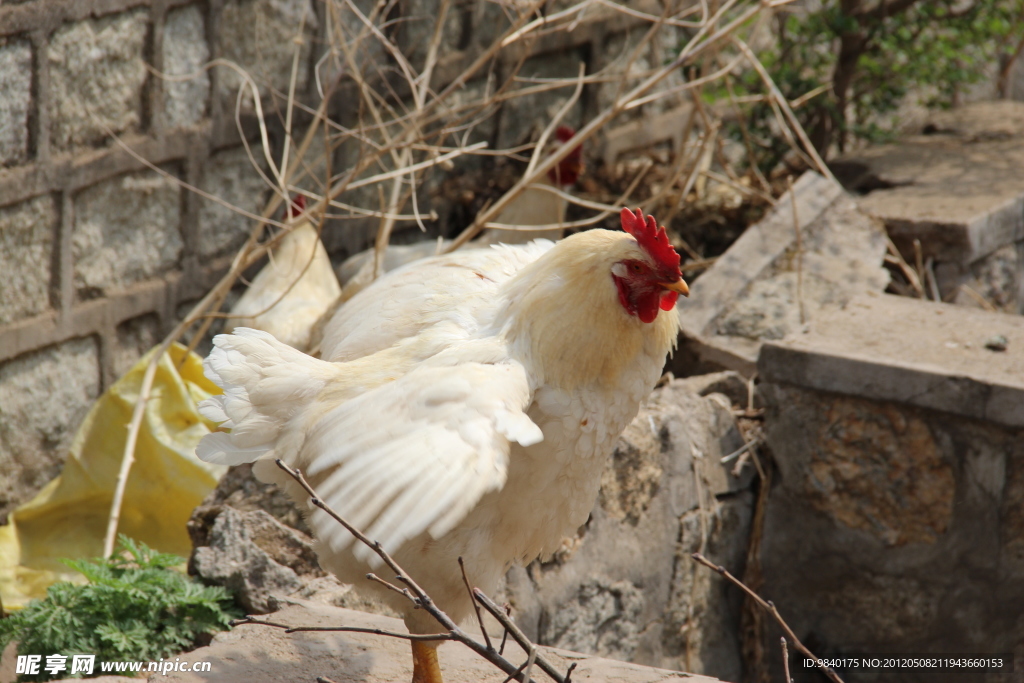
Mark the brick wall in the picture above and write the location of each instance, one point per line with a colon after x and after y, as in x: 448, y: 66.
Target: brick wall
x: 99, y: 255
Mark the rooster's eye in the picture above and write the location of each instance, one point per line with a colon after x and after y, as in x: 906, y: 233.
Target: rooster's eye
x: 637, y: 268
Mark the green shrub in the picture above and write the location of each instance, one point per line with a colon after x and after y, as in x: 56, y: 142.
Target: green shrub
x: 135, y: 607
x: 870, y: 55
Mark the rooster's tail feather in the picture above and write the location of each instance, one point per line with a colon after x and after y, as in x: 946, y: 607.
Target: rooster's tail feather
x: 266, y: 383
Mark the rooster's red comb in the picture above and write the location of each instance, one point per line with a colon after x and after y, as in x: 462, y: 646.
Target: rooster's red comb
x: 651, y: 238
x: 564, y: 133
x: 298, y: 205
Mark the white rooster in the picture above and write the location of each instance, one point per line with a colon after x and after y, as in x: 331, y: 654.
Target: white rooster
x: 535, y: 206
x: 465, y: 406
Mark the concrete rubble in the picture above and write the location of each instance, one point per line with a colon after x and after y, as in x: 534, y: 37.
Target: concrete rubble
x: 957, y: 189
x: 774, y: 279
x: 250, y: 538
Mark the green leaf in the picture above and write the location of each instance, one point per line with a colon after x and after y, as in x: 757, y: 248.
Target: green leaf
x: 135, y: 607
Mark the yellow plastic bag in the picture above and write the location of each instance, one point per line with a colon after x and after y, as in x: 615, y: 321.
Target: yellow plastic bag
x: 68, y: 518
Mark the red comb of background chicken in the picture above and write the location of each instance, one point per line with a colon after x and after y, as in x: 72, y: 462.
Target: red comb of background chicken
x: 568, y: 170
x: 652, y: 238
x: 297, y: 206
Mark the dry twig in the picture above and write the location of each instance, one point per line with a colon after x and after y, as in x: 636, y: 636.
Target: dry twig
x: 771, y: 609
x: 785, y: 660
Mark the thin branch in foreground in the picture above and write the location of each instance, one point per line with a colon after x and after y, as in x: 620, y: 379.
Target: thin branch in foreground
x: 771, y: 609
x: 390, y: 586
x: 429, y: 637
x: 785, y: 659
x: 343, y: 629
x: 422, y: 600
x: 476, y: 605
x: 515, y: 632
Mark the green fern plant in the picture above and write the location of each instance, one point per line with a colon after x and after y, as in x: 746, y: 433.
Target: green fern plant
x: 135, y: 607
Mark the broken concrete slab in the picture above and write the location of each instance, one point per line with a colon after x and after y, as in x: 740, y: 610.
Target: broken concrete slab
x: 260, y: 653
x: 769, y: 283
x: 958, y: 190
x: 920, y: 353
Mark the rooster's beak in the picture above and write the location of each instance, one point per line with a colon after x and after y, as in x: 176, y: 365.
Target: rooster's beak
x: 677, y: 286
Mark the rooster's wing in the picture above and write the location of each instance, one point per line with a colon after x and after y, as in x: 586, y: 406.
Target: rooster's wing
x: 394, y: 455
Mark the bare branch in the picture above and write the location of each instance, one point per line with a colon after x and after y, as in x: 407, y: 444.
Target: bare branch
x: 476, y: 605
x: 767, y: 605
x: 421, y: 598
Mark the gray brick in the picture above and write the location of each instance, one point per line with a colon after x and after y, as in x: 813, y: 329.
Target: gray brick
x: 45, y: 395
x: 758, y: 290
x: 16, y: 85
x: 184, y: 52
x: 258, y: 36
x: 96, y: 78
x: 26, y: 247
x: 126, y: 230
x: 230, y: 176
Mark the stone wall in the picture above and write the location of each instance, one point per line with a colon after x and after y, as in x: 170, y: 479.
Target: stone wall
x: 99, y: 252
x: 895, y: 525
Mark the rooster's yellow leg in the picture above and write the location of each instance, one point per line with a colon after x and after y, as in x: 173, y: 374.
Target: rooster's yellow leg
x: 425, y: 668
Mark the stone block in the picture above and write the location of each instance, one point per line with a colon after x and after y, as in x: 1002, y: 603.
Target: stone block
x: 993, y: 281
x: 16, y: 84
x: 914, y: 514
x: 127, y: 229
x: 640, y: 134
x: 97, y: 72
x: 625, y: 587
x: 956, y: 189
x: 920, y: 353
x: 185, y: 52
x: 239, y: 489
x: 230, y: 176
x: 251, y: 538
x: 258, y: 35
x: 258, y: 559
x: 488, y: 22
x: 662, y: 49
x: 44, y: 396
x: 27, y: 233
x: 898, y: 437
x: 765, y: 287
